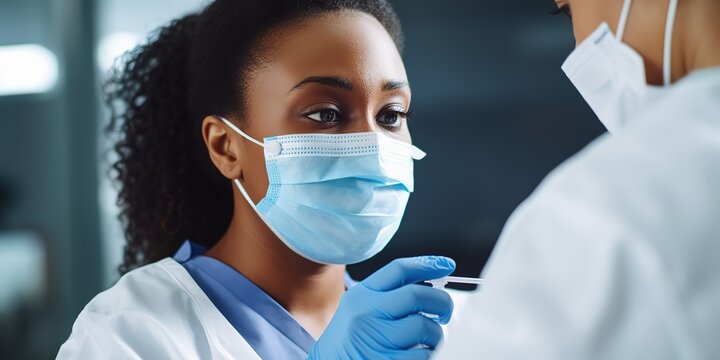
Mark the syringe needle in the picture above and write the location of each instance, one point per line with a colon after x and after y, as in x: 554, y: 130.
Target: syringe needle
x: 441, y: 282
x: 463, y: 280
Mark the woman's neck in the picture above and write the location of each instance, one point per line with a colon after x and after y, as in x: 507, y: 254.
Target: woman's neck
x: 698, y: 33
x: 309, y: 291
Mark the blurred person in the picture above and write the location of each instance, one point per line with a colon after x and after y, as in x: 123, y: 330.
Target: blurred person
x: 615, y: 254
x: 263, y: 146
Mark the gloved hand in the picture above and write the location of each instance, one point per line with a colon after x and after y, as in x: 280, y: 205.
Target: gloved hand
x: 379, y: 318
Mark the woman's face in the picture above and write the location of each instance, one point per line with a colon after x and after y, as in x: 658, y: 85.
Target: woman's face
x: 338, y: 73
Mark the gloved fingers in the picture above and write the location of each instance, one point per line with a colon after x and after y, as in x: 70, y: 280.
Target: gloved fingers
x: 411, y: 331
x: 405, y: 271
x: 413, y: 299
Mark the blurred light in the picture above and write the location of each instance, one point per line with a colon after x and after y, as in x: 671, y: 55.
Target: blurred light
x: 27, y: 69
x: 112, y: 46
x: 22, y: 269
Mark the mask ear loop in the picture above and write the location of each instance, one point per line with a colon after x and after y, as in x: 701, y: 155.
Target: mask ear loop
x: 667, y: 49
x: 669, y: 27
x: 622, y: 23
x: 242, y: 133
x: 244, y: 192
x: 251, y: 139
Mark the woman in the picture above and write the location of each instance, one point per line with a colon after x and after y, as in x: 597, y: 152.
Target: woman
x: 615, y: 256
x: 264, y: 146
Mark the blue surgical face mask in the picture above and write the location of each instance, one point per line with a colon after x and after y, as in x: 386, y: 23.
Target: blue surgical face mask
x: 334, y: 198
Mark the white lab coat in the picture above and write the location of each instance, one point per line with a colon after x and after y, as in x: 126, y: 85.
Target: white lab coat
x: 617, y: 253
x: 159, y: 312
x: 155, y: 312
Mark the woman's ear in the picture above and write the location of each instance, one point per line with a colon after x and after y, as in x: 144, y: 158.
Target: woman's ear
x: 225, y: 150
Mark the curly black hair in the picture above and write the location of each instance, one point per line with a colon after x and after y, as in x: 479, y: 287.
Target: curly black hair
x: 198, y: 65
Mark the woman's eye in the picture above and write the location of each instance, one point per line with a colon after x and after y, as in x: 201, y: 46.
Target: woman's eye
x: 391, y: 118
x: 324, y: 116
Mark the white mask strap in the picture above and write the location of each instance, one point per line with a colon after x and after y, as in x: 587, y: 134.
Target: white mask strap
x: 242, y: 133
x: 244, y: 193
x: 622, y: 23
x: 254, y: 207
x: 667, y: 49
x: 248, y: 137
x: 669, y: 27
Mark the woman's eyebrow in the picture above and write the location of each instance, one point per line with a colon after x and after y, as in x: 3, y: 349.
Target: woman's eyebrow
x: 333, y: 81
x: 394, y: 85
x: 345, y: 84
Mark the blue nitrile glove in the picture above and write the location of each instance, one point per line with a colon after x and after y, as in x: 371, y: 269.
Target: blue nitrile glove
x: 379, y: 318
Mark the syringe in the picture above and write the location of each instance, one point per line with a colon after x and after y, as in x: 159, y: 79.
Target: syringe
x: 441, y: 282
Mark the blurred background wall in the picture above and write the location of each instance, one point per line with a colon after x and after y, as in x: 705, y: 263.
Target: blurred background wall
x: 493, y: 111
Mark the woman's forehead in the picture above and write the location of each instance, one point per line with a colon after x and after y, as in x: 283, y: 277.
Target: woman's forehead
x: 350, y: 45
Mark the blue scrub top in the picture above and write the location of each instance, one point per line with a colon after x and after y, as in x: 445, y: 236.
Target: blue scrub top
x: 269, y: 329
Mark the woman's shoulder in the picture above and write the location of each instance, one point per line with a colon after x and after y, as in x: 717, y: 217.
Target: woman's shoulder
x: 149, y: 310
x: 154, y: 312
x: 157, y: 290
x: 152, y: 287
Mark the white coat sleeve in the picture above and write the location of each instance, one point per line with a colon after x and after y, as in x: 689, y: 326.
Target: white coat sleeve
x: 118, y: 336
